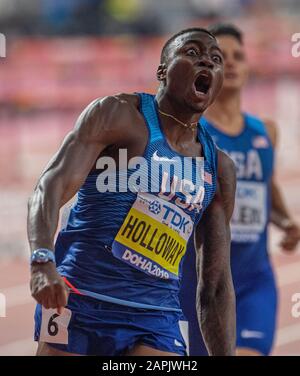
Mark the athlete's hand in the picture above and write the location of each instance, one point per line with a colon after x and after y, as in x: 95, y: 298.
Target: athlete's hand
x: 47, y: 286
x: 291, y: 238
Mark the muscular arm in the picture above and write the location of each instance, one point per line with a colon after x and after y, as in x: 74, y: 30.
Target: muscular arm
x: 95, y: 129
x: 280, y: 215
x: 68, y: 169
x: 215, y: 293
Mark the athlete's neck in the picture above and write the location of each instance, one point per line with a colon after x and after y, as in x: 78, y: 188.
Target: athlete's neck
x: 175, y: 131
x: 226, y: 114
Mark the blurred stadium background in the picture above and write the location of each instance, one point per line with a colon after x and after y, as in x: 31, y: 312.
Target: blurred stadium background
x: 63, y: 54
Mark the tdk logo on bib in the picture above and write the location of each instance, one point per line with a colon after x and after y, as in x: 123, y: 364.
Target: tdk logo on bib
x: 174, y: 218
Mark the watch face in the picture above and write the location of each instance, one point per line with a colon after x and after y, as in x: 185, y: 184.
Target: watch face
x: 42, y: 254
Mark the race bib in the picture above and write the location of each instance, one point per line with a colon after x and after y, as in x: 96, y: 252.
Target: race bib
x: 153, y: 237
x: 250, y: 212
x: 54, y: 327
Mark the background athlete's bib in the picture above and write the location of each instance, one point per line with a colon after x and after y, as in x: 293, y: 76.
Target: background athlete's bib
x: 250, y: 213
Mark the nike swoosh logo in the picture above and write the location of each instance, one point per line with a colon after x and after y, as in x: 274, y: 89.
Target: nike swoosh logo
x: 177, y: 343
x: 251, y: 334
x: 156, y: 158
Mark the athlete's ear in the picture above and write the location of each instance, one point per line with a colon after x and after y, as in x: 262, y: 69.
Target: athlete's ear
x: 161, y: 72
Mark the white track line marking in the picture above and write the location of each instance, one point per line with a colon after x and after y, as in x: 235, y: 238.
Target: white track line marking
x: 21, y: 347
x: 288, y: 274
x: 287, y: 335
x: 17, y: 295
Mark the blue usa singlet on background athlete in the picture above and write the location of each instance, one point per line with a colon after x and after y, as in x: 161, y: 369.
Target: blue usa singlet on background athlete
x: 253, y: 279
x: 125, y: 247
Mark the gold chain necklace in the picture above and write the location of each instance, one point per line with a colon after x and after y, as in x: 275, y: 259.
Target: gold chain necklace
x: 192, y: 126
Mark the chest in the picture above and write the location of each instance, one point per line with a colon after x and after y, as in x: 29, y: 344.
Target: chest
x: 137, y: 140
x: 252, y: 155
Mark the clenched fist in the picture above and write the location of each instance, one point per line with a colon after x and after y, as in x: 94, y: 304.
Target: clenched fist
x: 47, y: 286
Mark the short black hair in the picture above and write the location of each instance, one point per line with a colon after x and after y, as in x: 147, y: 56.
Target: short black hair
x: 227, y: 29
x: 164, y: 51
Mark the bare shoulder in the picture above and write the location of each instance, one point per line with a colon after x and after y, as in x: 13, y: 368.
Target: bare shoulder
x: 226, y: 183
x: 112, y: 106
x: 107, y: 117
x: 128, y: 99
x: 271, y: 128
x: 223, y: 202
x: 226, y: 168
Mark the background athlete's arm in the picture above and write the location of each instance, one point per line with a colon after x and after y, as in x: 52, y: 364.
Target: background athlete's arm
x: 62, y: 178
x: 215, y: 293
x: 280, y: 215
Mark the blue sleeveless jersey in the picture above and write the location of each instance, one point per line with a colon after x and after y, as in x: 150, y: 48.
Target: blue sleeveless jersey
x: 252, y: 154
x: 126, y: 234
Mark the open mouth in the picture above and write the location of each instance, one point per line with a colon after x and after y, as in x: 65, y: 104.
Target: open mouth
x: 203, y: 82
